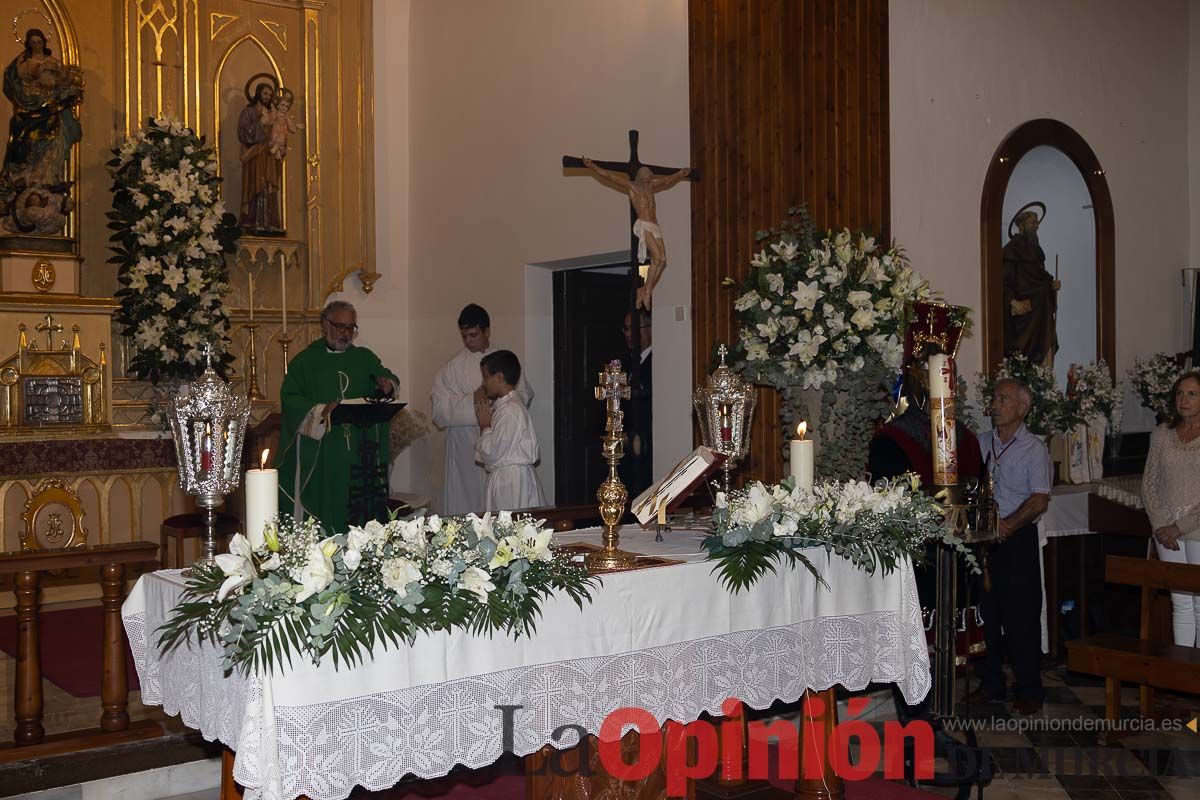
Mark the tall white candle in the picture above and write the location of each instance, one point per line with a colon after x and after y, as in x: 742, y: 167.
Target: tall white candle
x: 262, y: 499
x: 283, y: 288
x: 941, y: 372
x: 941, y: 419
x: 801, y: 457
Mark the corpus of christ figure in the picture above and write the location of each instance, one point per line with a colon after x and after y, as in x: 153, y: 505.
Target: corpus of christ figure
x: 640, y: 182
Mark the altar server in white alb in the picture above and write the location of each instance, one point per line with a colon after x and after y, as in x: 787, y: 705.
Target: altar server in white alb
x: 456, y: 389
x: 507, y: 447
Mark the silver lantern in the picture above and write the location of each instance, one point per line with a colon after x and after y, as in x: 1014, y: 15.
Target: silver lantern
x: 208, y: 423
x: 725, y: 407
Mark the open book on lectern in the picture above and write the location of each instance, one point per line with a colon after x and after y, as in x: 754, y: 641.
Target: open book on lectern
x: 365, y: 411
x: 676, y: 485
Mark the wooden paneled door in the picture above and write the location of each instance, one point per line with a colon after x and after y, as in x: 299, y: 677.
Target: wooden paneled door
x: 789, y: 105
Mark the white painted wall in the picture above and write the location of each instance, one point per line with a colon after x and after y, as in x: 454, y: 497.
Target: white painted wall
x: 383, y: 315
x: 964, y: 75
x: 1068, y: 231
x: 491, y: 95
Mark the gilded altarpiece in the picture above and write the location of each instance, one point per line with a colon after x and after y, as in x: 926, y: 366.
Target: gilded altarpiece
x: 195, y: 60
x: 200, y: 60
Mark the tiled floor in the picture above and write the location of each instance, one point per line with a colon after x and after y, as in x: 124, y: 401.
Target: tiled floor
x: 1057, y: 754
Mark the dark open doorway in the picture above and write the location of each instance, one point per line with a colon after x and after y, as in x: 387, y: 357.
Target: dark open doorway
x: 589, y: 309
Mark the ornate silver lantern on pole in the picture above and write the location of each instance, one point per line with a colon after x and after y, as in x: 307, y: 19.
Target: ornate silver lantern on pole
x: 208, y: 424
x: 725, y: 407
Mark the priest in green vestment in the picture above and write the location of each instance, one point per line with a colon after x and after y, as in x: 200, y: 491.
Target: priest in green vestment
x: 315, y: 457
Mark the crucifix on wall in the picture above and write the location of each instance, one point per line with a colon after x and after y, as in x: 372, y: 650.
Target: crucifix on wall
x: 640, y: 182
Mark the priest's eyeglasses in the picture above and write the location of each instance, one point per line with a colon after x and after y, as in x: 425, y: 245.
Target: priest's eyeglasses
x: 343, y: 328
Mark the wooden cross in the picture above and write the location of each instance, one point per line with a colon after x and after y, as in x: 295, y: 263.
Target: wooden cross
x: 631, y: 168
x: 49, y: 328
x: 613, y: 388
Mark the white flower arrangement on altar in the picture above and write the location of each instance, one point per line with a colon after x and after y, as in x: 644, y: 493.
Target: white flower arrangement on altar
x: 1153, y: 380
x: 1092, y: 392
x: 294, y: 592
x: 874, y: 526
x: 812, y: 311
x: 171, y: 234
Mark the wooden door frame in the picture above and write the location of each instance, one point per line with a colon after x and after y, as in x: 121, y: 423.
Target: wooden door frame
x: 1052, y: 133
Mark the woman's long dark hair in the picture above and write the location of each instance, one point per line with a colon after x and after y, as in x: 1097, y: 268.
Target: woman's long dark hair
x: 1174, y: 419
x: 36, y: 32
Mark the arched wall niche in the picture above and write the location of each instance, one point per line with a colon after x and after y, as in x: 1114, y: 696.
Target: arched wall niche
x: 993, y: 232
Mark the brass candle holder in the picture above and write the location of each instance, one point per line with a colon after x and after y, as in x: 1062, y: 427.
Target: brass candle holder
x: 284, y: 340
x: 252, y: 391
x: 613, y: 388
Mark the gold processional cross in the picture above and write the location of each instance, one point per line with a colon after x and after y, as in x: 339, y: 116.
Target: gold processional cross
x: 613, y: 388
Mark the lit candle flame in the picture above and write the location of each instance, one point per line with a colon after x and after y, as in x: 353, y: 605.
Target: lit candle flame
x: 801, y: 429
x: 263, y: 461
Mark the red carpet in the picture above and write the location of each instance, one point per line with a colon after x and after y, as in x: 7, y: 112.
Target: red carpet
x: 71, y: 642
x: 504, y: 782
x: 512, y: 787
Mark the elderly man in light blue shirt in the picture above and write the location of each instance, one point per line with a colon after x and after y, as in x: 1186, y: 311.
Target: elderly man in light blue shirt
x: 1021, y: 469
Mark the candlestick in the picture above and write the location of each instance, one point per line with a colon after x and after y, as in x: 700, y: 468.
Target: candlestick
x: 283, y: 300
x: 726, y: 425
x: 252, y: 390
x: 284, y: 341
x: 801, y: 457
x: 251, y: 274
x: 262, y: 499
x: 941, y: 414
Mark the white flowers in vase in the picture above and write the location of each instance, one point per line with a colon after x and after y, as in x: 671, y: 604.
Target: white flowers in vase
x: 811, y: 310
x: 171, y: 234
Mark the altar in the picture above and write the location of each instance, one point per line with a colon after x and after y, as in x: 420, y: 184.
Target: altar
x: 667, y: 639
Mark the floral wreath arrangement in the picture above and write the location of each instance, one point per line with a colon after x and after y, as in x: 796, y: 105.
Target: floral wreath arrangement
x: 1153, y: 379
x: 826, y: 313
x: 874, y: 526
x: 171, y: 234
x: 1050, y: 413
x: 296, y: 593
x: 1092, y: 392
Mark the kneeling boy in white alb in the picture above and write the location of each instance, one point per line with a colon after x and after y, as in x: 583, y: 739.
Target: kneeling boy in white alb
x: 507, y: 446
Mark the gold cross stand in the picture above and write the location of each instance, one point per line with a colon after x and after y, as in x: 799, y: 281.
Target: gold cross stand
x: 613, y: 388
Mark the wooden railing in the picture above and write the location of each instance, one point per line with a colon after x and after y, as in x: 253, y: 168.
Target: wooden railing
x: 29, y: 736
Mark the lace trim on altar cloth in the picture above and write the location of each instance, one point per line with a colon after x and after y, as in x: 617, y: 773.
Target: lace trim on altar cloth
x: 324, y: 750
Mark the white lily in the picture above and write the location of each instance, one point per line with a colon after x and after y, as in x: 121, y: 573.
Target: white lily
x: 237, y: 564
x: 477, y: 581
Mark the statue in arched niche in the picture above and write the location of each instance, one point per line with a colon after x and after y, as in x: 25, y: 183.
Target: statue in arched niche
x: 262, y: 173
x: 34, y: 191
x: 1030, y: 292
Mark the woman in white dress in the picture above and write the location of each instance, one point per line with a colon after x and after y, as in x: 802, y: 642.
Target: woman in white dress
x: 1171, y: 490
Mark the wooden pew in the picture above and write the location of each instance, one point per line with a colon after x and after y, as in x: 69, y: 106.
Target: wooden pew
x: 1150, y: 665
x: 29, y: 737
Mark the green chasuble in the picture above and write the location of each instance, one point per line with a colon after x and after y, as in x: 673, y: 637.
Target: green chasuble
x: 315, y: 377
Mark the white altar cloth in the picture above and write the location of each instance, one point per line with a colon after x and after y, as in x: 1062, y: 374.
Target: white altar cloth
x: 1067, y: 515
x: 667, y: 639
